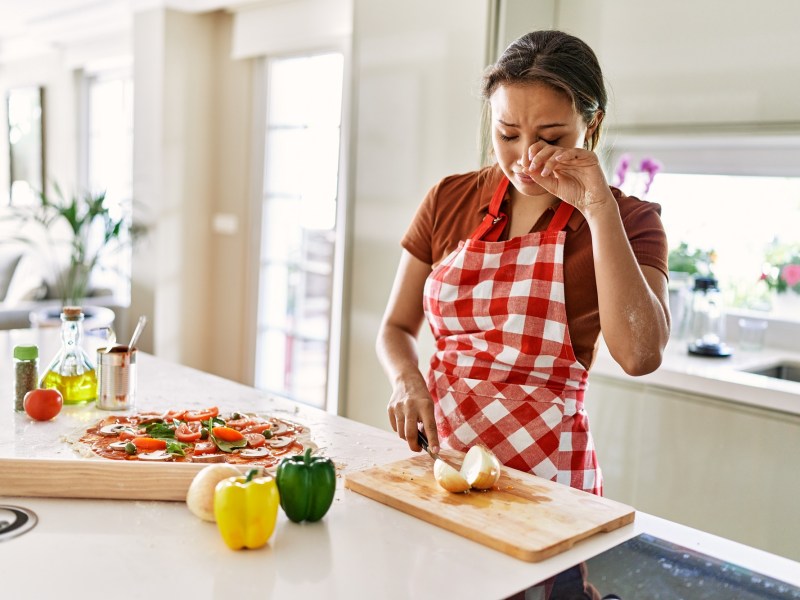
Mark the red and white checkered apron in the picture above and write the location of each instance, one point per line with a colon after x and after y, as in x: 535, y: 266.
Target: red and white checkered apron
x: 504, y: 372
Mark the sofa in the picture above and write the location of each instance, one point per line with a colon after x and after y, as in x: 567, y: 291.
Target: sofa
x: 27, y: 293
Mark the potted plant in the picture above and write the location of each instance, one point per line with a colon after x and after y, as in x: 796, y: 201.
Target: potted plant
x: 781, y: 273
x: 75, y: 235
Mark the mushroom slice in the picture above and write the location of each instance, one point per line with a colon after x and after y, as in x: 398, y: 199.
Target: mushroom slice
x: 208, y: 458
x: 255, y: 452
x: 118, y: 445
x: 112, y: 430
x: 155, y: 455
x: 280, y: 428
x: 280, y: 442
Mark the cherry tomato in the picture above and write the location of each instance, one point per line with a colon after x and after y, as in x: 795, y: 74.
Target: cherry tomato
x: 189, y: 432
x: 149, y: 444
x: 201, y: 415
x: 227, y: 434
x: 43, y: 404
x: 254, y: 440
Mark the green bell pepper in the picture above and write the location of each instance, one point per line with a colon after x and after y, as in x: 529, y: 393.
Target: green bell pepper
x: 306, y: 486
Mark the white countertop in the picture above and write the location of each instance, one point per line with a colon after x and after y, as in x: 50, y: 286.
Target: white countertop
x: 724, y: 378
x: 361, y: 549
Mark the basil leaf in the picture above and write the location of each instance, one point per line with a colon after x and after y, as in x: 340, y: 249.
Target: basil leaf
x: 160, y: 430
x: 228, y: 446
x: 176, y: 448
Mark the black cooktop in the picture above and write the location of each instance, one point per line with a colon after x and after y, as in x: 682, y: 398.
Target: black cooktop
x: 649, y: 568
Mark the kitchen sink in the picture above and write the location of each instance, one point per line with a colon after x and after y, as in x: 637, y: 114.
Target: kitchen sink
x: 788, y: 371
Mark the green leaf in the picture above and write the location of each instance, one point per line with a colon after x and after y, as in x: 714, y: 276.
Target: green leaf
x: 228, y: 446
x: 160, y: 430
x: 176, y: 448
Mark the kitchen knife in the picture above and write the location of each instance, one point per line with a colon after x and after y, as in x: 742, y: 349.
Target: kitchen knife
x: 422, y: 439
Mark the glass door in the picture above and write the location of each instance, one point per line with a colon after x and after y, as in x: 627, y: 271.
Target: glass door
x: 298, y: 229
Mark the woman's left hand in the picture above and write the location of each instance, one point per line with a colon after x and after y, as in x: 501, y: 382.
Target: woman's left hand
x: 572, y: 174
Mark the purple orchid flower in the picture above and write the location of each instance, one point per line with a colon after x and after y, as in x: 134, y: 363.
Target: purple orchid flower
x: 651, y: 167
x: 622, y: 169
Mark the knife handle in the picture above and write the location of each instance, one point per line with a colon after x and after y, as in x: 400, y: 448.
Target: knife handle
x: 422, y: 439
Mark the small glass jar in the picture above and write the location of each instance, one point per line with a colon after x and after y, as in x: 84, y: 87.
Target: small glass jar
x: 26, y: 373
x: 72, y: 372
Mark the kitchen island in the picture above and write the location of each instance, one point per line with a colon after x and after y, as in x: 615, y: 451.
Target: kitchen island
x: 361, y: 549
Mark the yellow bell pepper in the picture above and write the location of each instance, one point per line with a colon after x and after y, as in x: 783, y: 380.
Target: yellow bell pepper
x: 246, y: 509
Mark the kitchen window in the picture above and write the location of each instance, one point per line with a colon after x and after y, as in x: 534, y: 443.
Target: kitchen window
x: 736, y: 194
x: 295, y: 316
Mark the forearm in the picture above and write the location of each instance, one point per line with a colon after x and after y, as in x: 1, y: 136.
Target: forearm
x: 397, y: 353
x: 633, y: 319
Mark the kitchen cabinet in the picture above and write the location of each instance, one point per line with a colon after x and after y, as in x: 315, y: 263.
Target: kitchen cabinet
x: 706, y: 462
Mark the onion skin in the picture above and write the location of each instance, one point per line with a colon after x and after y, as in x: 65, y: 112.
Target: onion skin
x: 200, y: 497
x: 481, y: 468
x: 447, y: 477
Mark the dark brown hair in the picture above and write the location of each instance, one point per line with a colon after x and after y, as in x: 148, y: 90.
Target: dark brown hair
x: 557, y: 59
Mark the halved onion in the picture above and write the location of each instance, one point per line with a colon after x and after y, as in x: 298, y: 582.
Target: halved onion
x: 447, y: 477
x: 480, y: 468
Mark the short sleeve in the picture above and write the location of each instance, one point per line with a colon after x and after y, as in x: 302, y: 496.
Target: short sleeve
x: 418, y: 238
x: 646, y: 234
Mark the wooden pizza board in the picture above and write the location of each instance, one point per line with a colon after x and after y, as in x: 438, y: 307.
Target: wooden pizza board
x: 87, y: 478
x: 525, y: 516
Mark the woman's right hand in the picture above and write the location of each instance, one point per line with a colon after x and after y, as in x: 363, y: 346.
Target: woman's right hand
x: 409, y: 405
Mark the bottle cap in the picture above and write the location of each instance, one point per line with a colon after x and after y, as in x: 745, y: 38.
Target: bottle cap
x: 71, y: 312
x: 26, y: 352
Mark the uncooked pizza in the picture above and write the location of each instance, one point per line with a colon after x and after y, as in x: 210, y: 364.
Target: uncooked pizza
x: 203, y: 436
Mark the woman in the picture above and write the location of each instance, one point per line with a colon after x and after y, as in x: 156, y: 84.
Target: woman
x: 517, y: 267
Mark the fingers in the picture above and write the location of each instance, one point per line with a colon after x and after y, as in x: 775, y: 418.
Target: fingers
x: 429, y: 425
x: 405, y: 412
x: 543, y: 159
x: 411, y: 434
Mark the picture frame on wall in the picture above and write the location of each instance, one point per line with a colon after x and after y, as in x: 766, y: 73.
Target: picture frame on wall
x: 26, y: 136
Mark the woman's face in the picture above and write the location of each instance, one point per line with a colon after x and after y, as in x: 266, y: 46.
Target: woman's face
x: 524, y: 114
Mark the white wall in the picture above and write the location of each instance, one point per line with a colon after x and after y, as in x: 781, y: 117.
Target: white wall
x: 190, y: 162
x: 690, y: 62
x: 416, y: 115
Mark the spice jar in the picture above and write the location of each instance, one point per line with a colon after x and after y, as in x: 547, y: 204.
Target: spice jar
x: 72, y: 372
x: 26, y: 373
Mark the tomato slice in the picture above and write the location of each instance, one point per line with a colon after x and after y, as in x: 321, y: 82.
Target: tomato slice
x: 227, y: 434
x: 239, y: 423
x: 255, y: 440
x: 204, y: 448
x: 129, y: 434
x: 147, y: 443
x: 201, y: 415
x: 174, y: 414
x: 257, y: 428
x: 189, y: 432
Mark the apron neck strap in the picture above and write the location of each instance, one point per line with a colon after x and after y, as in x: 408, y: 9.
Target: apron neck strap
x: 560, y: 219
x: 495, y: 221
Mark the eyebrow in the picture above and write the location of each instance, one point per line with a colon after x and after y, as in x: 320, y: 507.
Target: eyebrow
x: 547, y: 126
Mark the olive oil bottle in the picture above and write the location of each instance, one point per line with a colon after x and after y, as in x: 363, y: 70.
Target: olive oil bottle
x: 72, y: 372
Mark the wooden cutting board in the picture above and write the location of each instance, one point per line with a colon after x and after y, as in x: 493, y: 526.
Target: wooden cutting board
x: 120, y: 480
x: 525, y: 516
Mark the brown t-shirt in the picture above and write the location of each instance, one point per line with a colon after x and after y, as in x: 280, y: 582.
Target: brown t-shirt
x: 455, y: 206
